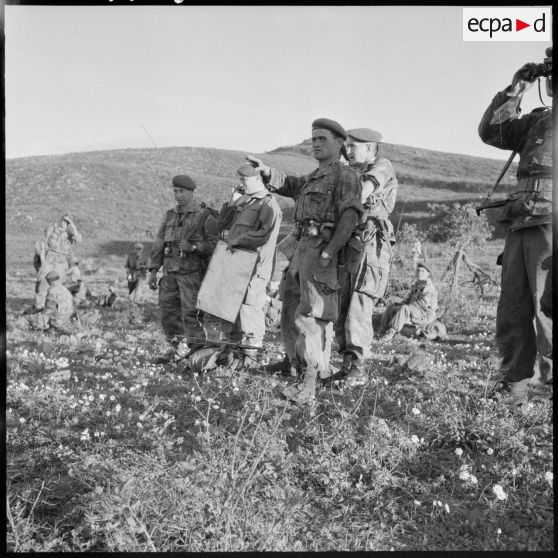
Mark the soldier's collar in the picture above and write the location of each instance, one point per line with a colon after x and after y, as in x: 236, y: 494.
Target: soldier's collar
x: 259, y: 195
x: 192, y: 208
x: 332, y: 165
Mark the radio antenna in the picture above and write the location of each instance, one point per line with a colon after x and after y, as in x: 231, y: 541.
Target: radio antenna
x: 152, y: 141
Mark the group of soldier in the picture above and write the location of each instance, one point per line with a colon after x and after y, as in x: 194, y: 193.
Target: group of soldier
x: 336, y: 270
x: 338, y: 259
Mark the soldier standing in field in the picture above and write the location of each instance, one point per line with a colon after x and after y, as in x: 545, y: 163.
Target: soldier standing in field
x: 184, y: 243
x: 328, y: 207
x: 523, y: 328
x: 52, y: 253
x: 251, y: 221
x: 363, y: 275
x: 136, y: 269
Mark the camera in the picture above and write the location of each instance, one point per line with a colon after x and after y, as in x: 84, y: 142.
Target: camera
x: 543, y: 69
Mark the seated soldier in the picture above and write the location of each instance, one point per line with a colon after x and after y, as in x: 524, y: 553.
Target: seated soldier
x: 58, y: 309
x: 419, y: 308
x: 136, y: 267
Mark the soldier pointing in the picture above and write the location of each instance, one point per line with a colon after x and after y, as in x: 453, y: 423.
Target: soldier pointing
x: 328, y: 207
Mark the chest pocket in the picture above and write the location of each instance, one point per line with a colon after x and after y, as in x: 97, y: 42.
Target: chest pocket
x: 538, y: 147
x: 314, y: 202
x: 248, y: 217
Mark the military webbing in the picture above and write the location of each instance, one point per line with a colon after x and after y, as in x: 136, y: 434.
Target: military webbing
x: 329, y: 197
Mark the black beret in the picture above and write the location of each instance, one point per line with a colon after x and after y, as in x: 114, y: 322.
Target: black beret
x: 364, y: 135
x: 423, y: 266
x: 330, y: 125
x: 247, y: 170
x: 183, y: 181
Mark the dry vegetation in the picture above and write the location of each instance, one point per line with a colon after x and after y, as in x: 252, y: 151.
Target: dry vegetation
x: 107, y: 451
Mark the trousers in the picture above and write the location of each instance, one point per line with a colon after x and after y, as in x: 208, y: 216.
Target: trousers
x: 523, y: 330
x: 310, y: 306
x: 180, y: 318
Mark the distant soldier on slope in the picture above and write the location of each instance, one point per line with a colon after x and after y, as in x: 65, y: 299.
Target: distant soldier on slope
x: 136, y: 268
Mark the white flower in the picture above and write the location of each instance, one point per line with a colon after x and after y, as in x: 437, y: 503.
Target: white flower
x: 473, y: 479
x: 117, y: 408
x: 464, y: 475
x: 415, y: 411
x: 499, y: 491
x: 414, y: 439
x: 96, y: 434
x: 489, y: 451
x: 102, y: 396
x: 139, y: 424
x: 498, y: 531
x: 439, y: 503
x: 112, y: 398
x: 459, y: 452
x: 416, y: 502
x: 549, y: 477
x: 446, y: 507
x: 22, y: 420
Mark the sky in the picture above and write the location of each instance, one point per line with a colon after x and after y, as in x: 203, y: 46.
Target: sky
x: 248, y: 78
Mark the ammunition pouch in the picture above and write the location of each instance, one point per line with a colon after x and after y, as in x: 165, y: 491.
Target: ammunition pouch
x: 533, y: 199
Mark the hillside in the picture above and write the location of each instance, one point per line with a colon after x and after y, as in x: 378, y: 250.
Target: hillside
x: 118, y: 197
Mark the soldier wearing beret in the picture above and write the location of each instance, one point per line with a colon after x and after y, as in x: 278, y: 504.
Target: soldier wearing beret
x: 184, y: 242
x: 328, y: 207
x: 251, y: 221
x: 419, y: 308
x: 364, y: 274
x: 136, y: 268
x: 523, y: 318
x: 52, y: 254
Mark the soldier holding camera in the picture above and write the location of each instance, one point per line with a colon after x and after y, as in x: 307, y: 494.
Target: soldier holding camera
x: 522, y: 328
x: 184, y: 242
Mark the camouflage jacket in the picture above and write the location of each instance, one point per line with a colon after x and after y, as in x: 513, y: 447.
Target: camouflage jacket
x: 424, y: 295
x: 136, y: 266
x: 253, y: 224
x: 59, y: 302
x: 196, y: 225
x: 531, y: 137
x: 58, y: 242
x: 322, y: 196
x: 379, y: 191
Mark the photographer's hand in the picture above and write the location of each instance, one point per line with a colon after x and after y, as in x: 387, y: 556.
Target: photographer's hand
x: 522, y: 79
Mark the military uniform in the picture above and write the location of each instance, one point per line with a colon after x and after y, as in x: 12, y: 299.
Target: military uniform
x: 363, y: 275
x: 419, y: 308
x: 183, y: 271
x: 76, y: 285
x: 309, y: 288
x: 252, y: 223
x: 523, y: 329
x: 136, y: 267
x: 52, y: 255
x: 58, y: 309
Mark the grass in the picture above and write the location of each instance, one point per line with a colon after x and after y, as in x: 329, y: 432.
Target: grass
x: 115, y: 453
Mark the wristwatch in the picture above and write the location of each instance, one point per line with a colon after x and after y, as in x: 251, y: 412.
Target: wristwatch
x: 194, y: 247
x: 325, y: 255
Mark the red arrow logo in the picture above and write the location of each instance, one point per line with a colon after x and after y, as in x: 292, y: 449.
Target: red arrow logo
x: 519, y: 25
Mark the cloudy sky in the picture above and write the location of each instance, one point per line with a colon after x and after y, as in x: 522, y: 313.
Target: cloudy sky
x: 250, y: 78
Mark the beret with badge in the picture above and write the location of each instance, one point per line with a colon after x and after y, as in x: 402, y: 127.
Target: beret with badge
x: 183, y: 181
x: 330, y: 125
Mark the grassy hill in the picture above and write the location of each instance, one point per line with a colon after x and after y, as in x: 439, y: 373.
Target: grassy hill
x: 118, y: 197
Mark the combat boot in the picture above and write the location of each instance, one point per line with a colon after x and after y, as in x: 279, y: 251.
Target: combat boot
x: 305, y: 391
x: 282, y: 367
x: 336, y: 375
x: 512, y: 395
x: 357, y: 375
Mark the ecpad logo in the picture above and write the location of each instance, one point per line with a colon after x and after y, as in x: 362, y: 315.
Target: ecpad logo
x: 507, y: 24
